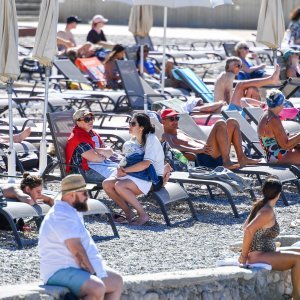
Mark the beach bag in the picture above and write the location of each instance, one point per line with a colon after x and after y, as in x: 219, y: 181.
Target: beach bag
x: 175, y: 158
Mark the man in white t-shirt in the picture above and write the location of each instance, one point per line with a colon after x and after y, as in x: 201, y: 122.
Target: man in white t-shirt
x: 68, y: 254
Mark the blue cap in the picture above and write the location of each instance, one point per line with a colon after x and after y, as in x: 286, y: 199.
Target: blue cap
x: 289, y: 52
x: 275, y: 98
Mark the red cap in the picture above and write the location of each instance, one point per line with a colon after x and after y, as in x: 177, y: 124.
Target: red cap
x: 168, y: 112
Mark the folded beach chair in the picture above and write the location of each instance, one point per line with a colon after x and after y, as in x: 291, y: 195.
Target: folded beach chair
x: 196, y: 84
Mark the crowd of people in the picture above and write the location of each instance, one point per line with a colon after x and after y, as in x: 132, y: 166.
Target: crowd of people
x: 142, y: 166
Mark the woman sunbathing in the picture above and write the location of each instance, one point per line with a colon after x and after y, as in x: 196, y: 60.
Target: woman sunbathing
x: 279, y: 147
x: 260, y: 230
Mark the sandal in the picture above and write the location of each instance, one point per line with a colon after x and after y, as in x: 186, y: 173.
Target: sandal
x: 295, y: 223
x: 120, y: 219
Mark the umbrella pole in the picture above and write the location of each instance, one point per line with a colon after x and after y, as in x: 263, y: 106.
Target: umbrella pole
x: 43, y: 143
x: 11, y: 161
x: 163, y: 73
x: 275, y: 58
x: 142, y: 61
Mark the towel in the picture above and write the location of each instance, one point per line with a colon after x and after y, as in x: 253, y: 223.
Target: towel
x: 234, y: 262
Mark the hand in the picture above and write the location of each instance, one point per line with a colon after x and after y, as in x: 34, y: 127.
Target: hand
x: 121, y: 172
x: 262, y: 66
x: 206, y: 150
x: 242, y: 259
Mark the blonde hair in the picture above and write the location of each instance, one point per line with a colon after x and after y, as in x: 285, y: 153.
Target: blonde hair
x: 239, y: 46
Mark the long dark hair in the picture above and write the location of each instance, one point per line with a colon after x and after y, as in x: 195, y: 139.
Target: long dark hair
x: 116, y: 49
x: 144, y: 121
x: 138, y: 52
x: 32, y: 181
x: 271, y: 188
x: 295, y: 14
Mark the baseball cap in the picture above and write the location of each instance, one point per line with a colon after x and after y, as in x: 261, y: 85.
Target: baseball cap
x: 81, y: 113
x: 168, y: 112
x: 73, y: 19
x: 289, y: 52
x: 73, y: 183
x: 98, y: 19
x: 275, y: 98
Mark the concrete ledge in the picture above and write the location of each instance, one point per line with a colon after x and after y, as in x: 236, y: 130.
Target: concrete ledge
x: 202, y: 284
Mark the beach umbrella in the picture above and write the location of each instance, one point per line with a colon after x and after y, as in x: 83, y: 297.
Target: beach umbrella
x: 44, y: 51
x: 140, y: 20
x: 172, y: 4
x: 9, y: 67
x: 270, y: 27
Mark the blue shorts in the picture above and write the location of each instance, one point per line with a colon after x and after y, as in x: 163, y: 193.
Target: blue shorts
x: 208, y: 161
x: 72, y: 278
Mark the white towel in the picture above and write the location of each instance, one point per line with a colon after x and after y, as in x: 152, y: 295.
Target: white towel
x: 234, y: 262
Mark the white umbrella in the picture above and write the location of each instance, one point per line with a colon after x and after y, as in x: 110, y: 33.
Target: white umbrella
x: 173, y: 4
x: 9, y: 66
x: 44, y: 50
x: 270, y: 28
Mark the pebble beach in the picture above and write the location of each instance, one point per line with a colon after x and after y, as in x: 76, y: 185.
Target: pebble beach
x: 155, y: 247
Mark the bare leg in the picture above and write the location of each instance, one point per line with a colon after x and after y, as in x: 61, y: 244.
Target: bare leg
x: 218, y: 140
x: 281, y: 261
x: 128, y: 190
x: 19, y: 138
x: 241, y: 87
x: 110, y: 189
x: 292, y: 157
x: 92, y: 289
x: 252, y: 92
x: 235, y: 137
x: 114, y: 285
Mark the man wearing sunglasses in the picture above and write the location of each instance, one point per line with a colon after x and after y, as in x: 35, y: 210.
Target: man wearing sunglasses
x: 86, y: 150
x: 76, y: 262
x: 215, y: 150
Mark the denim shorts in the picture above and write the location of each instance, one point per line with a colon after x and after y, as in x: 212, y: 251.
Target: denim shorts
x: 72, y: 278
x: 93, y: 176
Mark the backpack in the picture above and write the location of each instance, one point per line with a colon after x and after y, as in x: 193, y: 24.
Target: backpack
x: 175, y: 158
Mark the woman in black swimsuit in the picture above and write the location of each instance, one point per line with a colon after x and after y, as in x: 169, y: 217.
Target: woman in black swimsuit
x: 260, y: 230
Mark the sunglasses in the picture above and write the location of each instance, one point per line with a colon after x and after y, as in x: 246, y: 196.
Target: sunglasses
x: 132, y: 123
x: 84, y: 193
x: 245, y: 48
x: 172, y: 119
x: 239, y: 66
x: 87, y: 119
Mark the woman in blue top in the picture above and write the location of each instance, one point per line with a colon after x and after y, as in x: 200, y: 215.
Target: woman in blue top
x: 249, y: 70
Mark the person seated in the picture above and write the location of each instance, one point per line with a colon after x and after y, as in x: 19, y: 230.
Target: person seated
x: 291, y: 58
x: 29, y: 191
x: 260, y: 230
x: 17, y: 138
x: 112, y: 76
x: 249, y: 70
x: 151, y: 69
x: 224, y: 83
x: 216, y: 150
x: 279, y: 147
x: 86, y: 150
x: 96, y: 34
x: 238, y: 99
x: 122, y: 187
x: 294, y: 27
x: 65, y: 38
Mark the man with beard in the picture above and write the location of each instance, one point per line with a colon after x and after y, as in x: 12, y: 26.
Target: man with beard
x: 68, y: 255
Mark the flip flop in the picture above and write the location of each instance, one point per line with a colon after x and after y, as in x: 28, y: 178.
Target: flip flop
x: 120, y: 219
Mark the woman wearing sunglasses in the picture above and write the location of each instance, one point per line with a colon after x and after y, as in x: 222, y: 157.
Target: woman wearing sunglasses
x: 249, y: 70
x: 85, y: 149
x: 123, y: 187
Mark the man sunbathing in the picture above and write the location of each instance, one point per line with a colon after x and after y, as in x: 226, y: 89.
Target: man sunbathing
x: 224, y: 82
x: 215, y: 151
x: 29, y: 191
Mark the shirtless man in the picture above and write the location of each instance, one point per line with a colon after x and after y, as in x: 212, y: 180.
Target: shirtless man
x: 65, y: 38
x: 215, y: 151
x: 224, y: 82
x: 29, y: 191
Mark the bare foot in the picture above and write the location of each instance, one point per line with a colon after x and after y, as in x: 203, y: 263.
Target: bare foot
x: 141, y: 220
x: 249, y: 161
x: 231, y: 165
x: 19, y: 138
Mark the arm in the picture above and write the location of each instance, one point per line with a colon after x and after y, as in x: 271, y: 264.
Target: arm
x: 93, y: 156
x: 263, y: 218
x: 246, y: 69
x: 48, y: 200
x: 75, y: 247
x: 281, y: 137
x: 107, y: 152
x: 64, y: 42
x: 14, y: 192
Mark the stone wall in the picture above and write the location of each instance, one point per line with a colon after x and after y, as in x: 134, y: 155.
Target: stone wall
x: 223, y: 283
